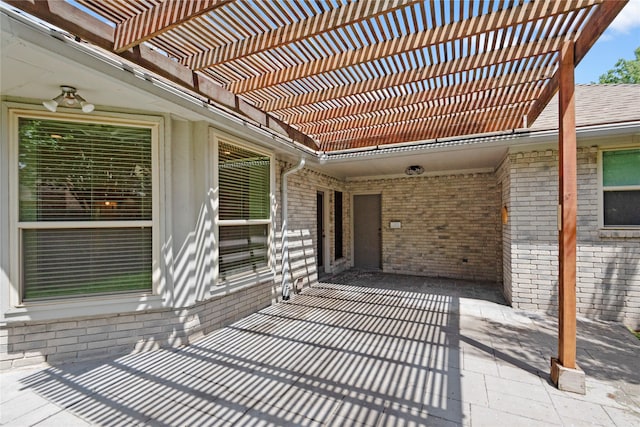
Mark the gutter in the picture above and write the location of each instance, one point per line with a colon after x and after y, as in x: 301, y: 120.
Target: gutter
x: 514, y: 137
x: 286, y: 282
x: 46, y: 36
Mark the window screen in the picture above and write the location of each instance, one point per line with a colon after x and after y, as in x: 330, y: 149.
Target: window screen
x: 244, y: 183
x: 337, y: 214
x: 77, y: 182
x: 621, y: 186
x: 244, y: 188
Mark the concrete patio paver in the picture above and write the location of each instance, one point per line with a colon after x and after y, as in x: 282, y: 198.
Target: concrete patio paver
x: 360, y: 349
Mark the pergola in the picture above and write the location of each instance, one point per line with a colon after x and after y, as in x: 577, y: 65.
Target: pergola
x: 341, y: 75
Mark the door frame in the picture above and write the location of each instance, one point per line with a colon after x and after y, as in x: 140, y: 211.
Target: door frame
x: 326, y: 218
x: 352, y: 261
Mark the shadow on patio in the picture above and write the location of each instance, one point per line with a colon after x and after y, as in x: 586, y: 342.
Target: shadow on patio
x: 359, y: 349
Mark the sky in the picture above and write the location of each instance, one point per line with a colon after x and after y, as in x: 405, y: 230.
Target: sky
x: 619, y: 41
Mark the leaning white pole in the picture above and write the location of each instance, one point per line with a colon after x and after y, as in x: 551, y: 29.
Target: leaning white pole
x: 286, y: 282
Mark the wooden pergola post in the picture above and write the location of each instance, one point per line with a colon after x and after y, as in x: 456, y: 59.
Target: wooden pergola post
x: 564, y: 371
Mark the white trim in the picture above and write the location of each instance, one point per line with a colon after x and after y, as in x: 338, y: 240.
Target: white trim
x: 602, y: 189
x: 244, y: 221
x: 239, y: 281
x: 326, y: 218
x: 243, y: 279
x: 521, y: 138
x: 32, y: 225
x: 214, y: 200
x: 335, y: 228
x: 47, y: 37
x: 622, y: 187
x: 84, y: 304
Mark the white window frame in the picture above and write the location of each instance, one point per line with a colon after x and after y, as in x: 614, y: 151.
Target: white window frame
x: 243, y: 279
x: 601, y: 189
x: 85, y: 304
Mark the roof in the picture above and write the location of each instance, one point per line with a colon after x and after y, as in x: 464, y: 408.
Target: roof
x: 339, y: 74
x: 596, y: 104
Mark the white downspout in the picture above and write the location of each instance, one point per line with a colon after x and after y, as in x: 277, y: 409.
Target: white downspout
x: 286, y: 285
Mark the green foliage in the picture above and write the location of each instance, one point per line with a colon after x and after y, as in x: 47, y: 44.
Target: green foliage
x: 67, y: 170
x: 624, y: 71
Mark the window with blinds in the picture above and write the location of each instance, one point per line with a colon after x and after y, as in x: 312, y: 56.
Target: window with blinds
x: 621, y: 187
x: 244, y: 209
x: 337, y: 215
x: 85, y: 208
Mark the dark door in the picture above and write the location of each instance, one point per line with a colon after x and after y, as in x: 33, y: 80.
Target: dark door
x: 320, y: 229
x: 367, y: 239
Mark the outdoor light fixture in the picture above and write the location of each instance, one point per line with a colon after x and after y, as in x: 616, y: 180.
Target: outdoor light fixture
x: 68, y: 98
x: 414, y: 170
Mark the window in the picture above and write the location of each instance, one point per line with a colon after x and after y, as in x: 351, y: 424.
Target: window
x: 84, y: 208
x: 621, y: 187
x: 245, y: 209
x: 337, y: 215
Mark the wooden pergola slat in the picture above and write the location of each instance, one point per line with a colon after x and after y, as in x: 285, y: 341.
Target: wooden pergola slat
x: 466, y: 117
x: 66, y: 16
x: 475, y: 26
x: 344, y: 66
x: 443, y: 127
x: 331, y: 115
x: 468, y: 63
x: 465, y: 103
x: 159, y: 19
x: 294, y: 32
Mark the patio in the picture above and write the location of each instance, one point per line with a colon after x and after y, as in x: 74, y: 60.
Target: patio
x: 357, y: 349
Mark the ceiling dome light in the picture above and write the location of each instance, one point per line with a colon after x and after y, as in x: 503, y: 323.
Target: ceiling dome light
x: 414, y: 170
x: 68, y: 98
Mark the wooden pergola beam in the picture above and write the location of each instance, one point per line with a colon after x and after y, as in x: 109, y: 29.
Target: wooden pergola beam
x: 473, y: 26
x: 526, y: 92
x: 450, y: 101
x: 301, y: 30
x: 432, y: 94
x: 599, y: 21
x: 471, y: 118
x: 85, y: 26
x: 444, y: 127
x: 468, y: 63
x: 63, y: 15
x: 159, y: 19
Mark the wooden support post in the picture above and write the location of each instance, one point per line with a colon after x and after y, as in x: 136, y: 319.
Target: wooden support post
x: 568, y: 209
x: 564, y: 371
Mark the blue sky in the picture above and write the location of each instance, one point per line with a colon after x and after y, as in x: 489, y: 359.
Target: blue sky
x: 619, y: 41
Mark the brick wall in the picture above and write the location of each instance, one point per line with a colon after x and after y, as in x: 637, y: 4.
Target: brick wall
x: 74, y: 339
x: 504, y: 180
x: 608, y: 262
x: 450, y: 225
x: 302, y: 230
